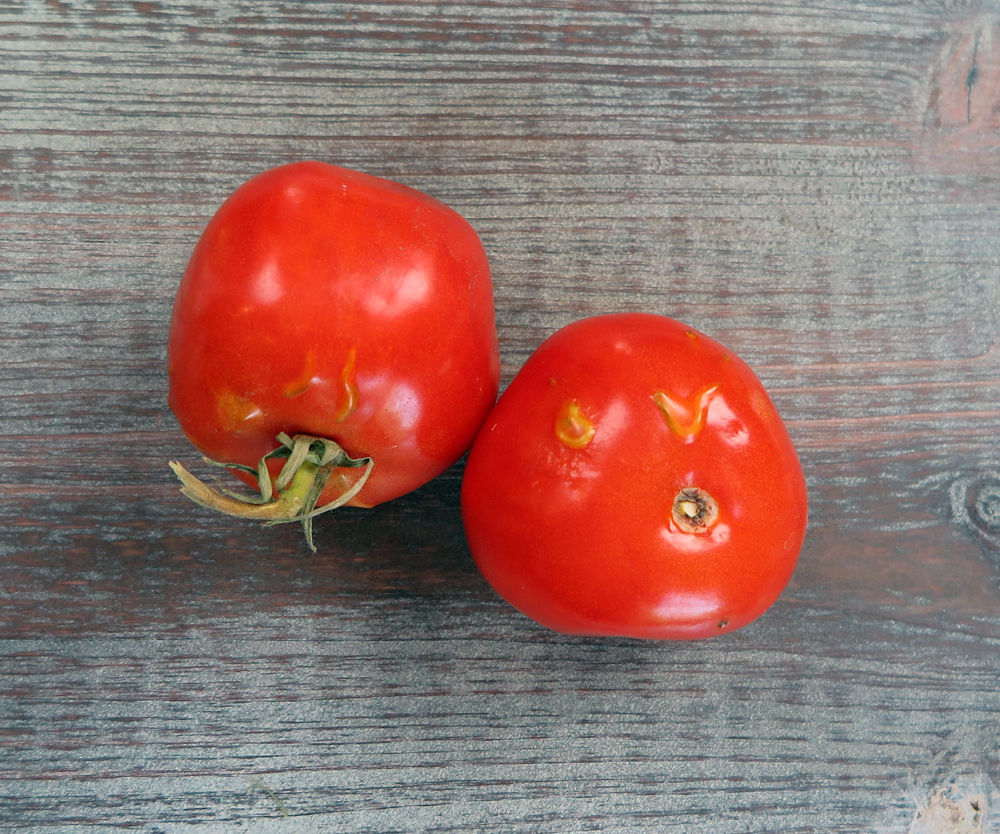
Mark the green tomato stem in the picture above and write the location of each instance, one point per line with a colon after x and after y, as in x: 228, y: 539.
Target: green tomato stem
x: 309, y: 464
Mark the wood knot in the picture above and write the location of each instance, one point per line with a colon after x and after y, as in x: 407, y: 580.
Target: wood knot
x: 962, y: 118
x: 975, y: 502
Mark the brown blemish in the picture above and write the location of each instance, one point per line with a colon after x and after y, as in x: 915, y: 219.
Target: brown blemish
x: 694, y: 510
x: 574, y: 428
x: 235, y: 411
x: 297, y: 387
x: 348, y: 387
x: 685, y: 418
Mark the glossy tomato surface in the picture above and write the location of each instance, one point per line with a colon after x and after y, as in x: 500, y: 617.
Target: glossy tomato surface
x: 327, y: 302
x: 635, y: 479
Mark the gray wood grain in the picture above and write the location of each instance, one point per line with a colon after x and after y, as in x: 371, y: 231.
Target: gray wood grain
x: 814, y: 184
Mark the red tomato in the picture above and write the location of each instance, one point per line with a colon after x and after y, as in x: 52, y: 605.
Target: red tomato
x: 635, y: 480
x: 335, y: 305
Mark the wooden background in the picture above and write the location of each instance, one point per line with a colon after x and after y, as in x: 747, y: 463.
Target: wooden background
x: 814, y: 183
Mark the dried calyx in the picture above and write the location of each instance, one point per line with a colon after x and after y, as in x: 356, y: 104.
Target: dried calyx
x: 293, y: 494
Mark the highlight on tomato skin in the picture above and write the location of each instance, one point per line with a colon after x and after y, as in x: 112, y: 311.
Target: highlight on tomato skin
x: 326, y: 306
x: 680, y: 516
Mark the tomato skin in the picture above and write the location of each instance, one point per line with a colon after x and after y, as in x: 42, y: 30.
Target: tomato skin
x: 570, y: 489
x: 328, y: 302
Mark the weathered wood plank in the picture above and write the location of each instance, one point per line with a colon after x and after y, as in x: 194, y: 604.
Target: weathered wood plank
x: 814, y: 184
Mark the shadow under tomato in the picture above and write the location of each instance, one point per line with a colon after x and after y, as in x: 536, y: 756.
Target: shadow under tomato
x: 145, y: 560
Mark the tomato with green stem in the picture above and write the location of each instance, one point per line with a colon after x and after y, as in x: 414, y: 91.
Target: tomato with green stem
x: 635, y: 479
x: 332, y: 342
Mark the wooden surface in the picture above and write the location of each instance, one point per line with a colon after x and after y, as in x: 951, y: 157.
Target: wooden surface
x: 815, y: 184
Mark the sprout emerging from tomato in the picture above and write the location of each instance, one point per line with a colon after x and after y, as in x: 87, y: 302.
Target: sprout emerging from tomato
x: 332, y: 342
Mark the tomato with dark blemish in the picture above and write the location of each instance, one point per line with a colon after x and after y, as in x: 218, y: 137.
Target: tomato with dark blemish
x: 326, y: 304
x: 635, y: 480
